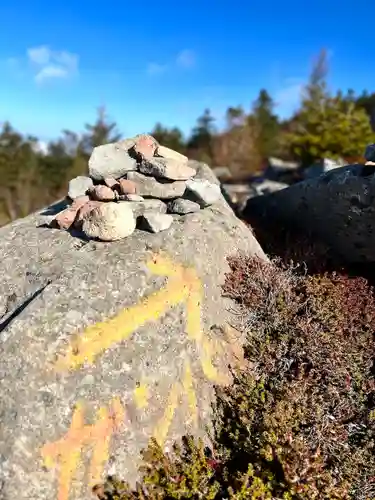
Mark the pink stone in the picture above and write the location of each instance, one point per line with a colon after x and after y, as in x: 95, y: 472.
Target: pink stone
x: 145, y: 146
x: 65, y: 219
x: 102, y: 193
x: 79, y: 202
x: 127, y: 187
x: 84, y: 210
x: 111, y: 182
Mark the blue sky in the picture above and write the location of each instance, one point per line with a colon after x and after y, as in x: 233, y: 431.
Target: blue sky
x: 166, y: 61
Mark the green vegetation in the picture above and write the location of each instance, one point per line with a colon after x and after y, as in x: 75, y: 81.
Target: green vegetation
x: 298, y: 422
x: 325, y: 125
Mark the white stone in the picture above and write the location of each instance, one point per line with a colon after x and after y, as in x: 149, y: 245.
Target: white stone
x: 204, y: 192
x: 171, y: 153
x: 110, y: 222
x: 156, y: 222
x: 79, y: 186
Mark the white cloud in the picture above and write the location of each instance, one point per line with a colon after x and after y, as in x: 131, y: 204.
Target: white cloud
x: 186, y: 59
x: 50, y: 64
x: 156, y: 68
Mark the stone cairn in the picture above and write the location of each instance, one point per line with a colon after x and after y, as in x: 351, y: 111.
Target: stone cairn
x: 133, y: 183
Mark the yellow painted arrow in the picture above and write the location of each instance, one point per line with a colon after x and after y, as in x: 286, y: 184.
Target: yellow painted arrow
x: 183, y: 286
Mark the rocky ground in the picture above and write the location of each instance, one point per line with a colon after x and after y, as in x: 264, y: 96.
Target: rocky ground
x: 134, y: 183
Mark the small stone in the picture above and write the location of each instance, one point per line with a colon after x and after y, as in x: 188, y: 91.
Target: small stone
x: 171, y: 153
x: 83, y: 211
x: 130, y: 197
x: 127, y: 187
x: 79, y: 202
x: 111, y: 182
x: 140, y: 207
x: 79, y: 186
x: 166, y: 168
x: 156, y: 222
x: 65, y: 219
x: 145, y: 146
x: 370, y: 152
x: 110, y: 160
x: 109, y: 222
x: 182, y: 207
x: 203, y: 192
x: 102, y: 193
x: 150, y: 187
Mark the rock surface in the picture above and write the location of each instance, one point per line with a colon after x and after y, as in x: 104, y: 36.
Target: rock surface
x: 109, y: 222
x: 182, y: 207
x: 108, y: 345
x: 110, y: 161
x: 79, y: 186
x: 337, y: 207
x: 148, y: 186
x: 370, y: 152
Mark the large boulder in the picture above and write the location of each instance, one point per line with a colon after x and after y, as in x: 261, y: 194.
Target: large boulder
x: 337, y: 207
x: 104, y: 345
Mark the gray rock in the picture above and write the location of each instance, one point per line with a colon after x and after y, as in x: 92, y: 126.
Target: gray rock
x: 170, y: 153
x: 370, y: 152
x: 337, y: 208
x: 182, y: 207
x: 156, y: 222
x: 203, y: 191
x: 139, y: 207
x: 150, y: 187
x: 79, y: 186
x: 117, y: 313
x: 166, y: 168
x: 110, y: 160
x: 109, y: 222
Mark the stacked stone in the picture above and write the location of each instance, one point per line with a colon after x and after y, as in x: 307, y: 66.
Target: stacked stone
x: 134, y: 183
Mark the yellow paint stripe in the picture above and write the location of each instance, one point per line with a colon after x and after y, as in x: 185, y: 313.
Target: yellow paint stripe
x: 141, y: 395
x: 104, y: 335
x: 162, y: 427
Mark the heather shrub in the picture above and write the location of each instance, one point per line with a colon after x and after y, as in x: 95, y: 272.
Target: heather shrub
x: 299, y: 422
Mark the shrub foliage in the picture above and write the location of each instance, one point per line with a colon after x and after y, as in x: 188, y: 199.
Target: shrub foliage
x: 299, y: 422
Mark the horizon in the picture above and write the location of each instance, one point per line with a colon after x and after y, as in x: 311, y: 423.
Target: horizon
x: 60, y: 62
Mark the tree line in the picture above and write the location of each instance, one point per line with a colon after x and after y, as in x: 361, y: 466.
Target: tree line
x: 326, y: 124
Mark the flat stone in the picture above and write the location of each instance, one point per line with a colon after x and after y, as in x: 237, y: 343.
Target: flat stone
x: 79, y: 186
x: 127, y: 187
x: 109, y: 222
x: 183, y: 207
x: 370, y: 152
x: 166, y: 168
x: 110, y: 160
x: 156, y: 222
x: 102, y: 193
x: 130, y: 197
x: 170, y: 153
x: 203, y: 192
x: 153, y: 205
x: 150, y: 187
x: 121, y: 339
